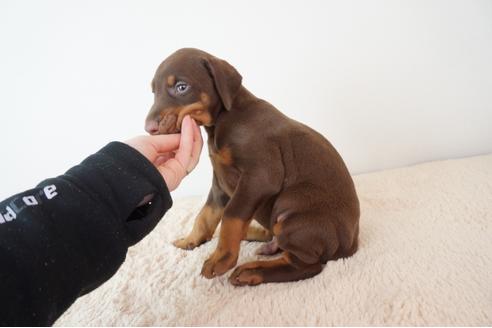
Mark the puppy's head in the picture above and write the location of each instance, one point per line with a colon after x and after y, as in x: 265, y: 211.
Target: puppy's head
x: 191, y: 82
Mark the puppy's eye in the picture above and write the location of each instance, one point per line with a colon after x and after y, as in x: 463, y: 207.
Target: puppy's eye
x: 181, y: 87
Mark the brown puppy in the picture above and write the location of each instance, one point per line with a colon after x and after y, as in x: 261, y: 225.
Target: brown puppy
x: 267, y: 167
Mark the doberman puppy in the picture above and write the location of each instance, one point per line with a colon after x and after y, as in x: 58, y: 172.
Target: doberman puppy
x: 267, y: 167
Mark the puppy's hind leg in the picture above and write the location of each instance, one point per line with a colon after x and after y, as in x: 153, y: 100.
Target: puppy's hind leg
x: 285, y: 268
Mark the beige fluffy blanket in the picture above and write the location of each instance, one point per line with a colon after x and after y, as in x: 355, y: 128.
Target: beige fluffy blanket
x: 425, y: 258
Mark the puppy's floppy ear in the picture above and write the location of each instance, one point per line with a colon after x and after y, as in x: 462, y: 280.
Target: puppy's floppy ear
x: 227, y: 80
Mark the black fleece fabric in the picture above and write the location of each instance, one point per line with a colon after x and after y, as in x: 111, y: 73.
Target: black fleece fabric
x: 71, y: 233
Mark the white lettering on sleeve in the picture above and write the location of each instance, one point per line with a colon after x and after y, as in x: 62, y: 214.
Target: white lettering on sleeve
x: 30, y: 200
x: 10, y: 214
x: 50, y: 191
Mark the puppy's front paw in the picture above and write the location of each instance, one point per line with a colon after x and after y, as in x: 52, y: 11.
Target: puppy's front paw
x: 186, y: 243
x: 218, y: 264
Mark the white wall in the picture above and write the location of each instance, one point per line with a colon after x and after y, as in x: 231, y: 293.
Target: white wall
x: 390, y: 83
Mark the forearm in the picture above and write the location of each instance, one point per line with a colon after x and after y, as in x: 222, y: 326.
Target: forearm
x: 70, y: 234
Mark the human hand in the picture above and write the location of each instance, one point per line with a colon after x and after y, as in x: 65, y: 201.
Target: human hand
x: 174, y: 155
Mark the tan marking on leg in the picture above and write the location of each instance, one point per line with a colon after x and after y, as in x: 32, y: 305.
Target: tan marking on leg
x: 246, y: 277
x: 286, y: 256
x: 232, y: 231
x: 277, y: 228
x: 250, y: 273
x: 203, y: 229
x: 266, y: 264
x: 231, y: 234
x: 256, y: 233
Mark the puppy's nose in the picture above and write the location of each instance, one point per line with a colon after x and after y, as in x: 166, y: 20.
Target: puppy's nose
x: 152, y: 127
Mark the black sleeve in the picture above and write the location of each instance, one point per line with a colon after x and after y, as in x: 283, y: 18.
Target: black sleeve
x: 70, y: 234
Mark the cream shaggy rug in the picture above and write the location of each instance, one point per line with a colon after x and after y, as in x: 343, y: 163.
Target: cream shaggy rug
x: 425, y: 258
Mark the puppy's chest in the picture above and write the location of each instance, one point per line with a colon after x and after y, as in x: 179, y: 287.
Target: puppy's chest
x: 223, y: 164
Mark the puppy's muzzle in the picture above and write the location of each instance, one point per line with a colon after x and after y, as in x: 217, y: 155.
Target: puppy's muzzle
x: 152, y: 127
x: 166, y: 125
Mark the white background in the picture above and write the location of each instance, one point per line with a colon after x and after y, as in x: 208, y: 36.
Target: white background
x: 389, y: 83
